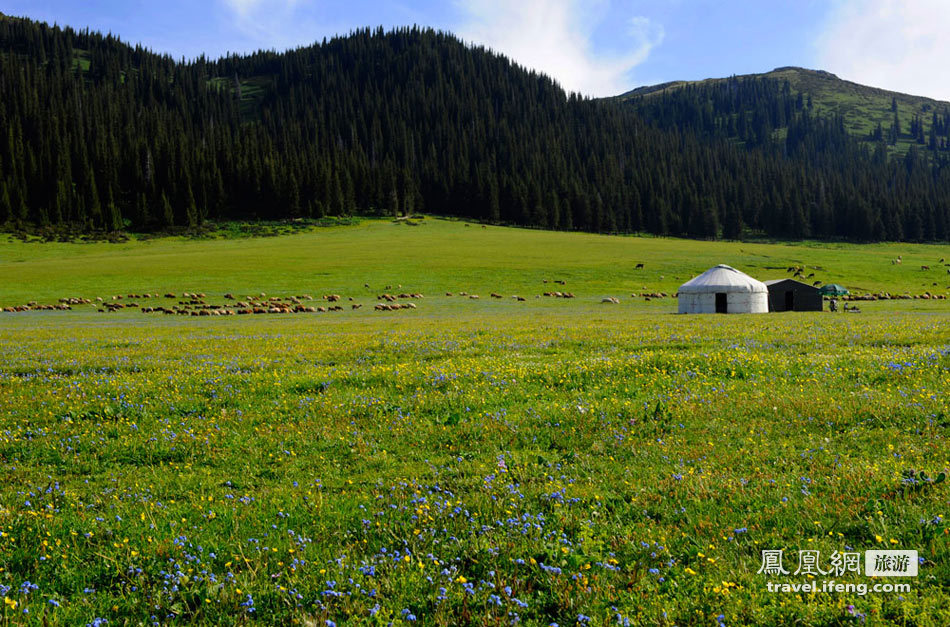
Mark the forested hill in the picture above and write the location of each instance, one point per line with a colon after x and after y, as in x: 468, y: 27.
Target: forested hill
x: 98, y: 135
x: 757, y: 107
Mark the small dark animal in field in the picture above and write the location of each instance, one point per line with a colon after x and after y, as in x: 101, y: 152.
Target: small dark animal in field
x: 484, y: 227
x: 925, y: 267
x: 816, y: 284
x: 448, y: 293
x: 811, y: 275
x: 468, y: 225
x: 496, y: 295
x: 356, y: 305
x: 639, y: 266
x: 366, y: 285
x: 941, y: 260
x: 520, y: 299
x: 561, y: 282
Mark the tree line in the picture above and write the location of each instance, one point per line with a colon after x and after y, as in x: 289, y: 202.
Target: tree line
x: 100, y: 135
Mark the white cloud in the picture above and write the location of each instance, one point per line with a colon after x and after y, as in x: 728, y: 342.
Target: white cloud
x: 268, y: 23
x: 556, y: 37
x: 899, y: 45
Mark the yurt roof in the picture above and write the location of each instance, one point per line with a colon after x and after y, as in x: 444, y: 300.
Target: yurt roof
x: 723, y: 278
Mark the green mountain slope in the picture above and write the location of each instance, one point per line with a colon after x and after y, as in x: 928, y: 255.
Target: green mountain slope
x: 102, y: 136
x: 861, y: 107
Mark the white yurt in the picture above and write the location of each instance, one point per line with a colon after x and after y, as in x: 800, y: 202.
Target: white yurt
x: 723, y: 289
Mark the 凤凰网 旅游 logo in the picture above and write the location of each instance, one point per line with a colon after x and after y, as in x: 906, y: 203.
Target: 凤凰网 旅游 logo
x: 877, y: 563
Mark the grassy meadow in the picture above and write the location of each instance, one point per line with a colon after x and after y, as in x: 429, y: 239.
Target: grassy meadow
x: 466, y: 462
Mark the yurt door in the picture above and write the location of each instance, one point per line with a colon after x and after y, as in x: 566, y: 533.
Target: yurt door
x: 790, y: 301
x: 721, y: 306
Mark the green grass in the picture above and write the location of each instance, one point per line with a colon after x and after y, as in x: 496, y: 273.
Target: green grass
x: 466, y: 462
x: 440, y: 256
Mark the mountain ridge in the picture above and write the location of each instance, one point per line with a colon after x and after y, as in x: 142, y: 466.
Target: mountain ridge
x: 862, y: 107
x: 105, y: 136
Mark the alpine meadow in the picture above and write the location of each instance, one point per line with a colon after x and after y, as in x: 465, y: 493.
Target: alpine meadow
x: 383, y: 330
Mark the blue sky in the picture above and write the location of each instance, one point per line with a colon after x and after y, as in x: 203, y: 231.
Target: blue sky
x: 596, y: 47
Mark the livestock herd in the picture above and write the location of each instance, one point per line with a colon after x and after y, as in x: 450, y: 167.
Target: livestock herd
x: 197, y: 304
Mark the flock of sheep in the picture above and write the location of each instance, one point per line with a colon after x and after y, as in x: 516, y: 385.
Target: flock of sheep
x: 195, y: 303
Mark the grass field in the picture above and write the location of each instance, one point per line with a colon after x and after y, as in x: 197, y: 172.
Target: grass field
x: 466, y: 462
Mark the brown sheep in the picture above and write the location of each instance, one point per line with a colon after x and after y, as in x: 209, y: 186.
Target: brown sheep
x: 496, y: 295
x: 356, y: 305
x: 925, y: 267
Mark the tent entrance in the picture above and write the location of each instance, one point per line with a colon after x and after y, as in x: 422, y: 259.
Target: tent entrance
x: 789, y: 301
x: 721, y: 306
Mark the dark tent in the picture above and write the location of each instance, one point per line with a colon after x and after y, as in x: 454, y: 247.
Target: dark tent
x: 791, y: 295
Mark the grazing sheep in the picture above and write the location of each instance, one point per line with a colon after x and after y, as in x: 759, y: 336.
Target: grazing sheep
x: 496, y: 295
x: 639, y: 266
x: 356, y: 305
x: 448, y: 293
x: 816, y: 284
x: 473, y: 296
x: 611, y: 299
x: 811, y: 275
x: 519, y: 298
x: 925, y: 267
